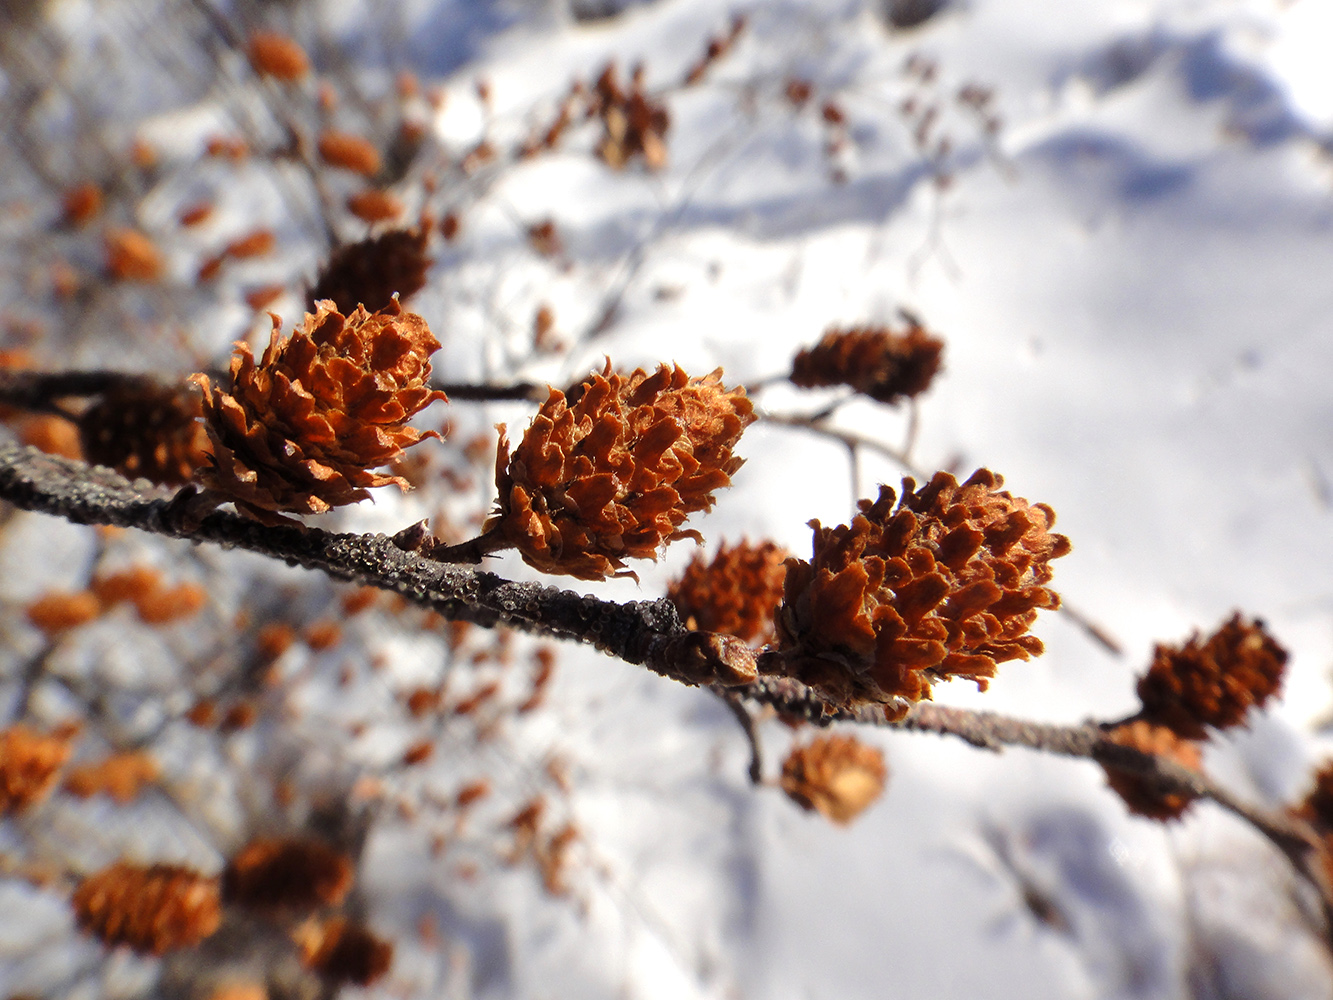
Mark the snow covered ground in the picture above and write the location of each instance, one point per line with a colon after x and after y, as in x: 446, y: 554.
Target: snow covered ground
x: 1132, y: 279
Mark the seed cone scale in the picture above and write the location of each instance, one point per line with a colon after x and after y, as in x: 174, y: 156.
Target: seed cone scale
x: 300, y: 431
x: 613, y: 474
x: 946, y: 584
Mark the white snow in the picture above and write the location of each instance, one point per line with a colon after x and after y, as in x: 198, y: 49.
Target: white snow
x: 1133, y: 283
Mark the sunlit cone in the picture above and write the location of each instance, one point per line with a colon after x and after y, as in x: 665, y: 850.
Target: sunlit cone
x: 737, y: 592
x: 945, y: 585
x: 1214, y: 681
x: 614, y: 475
x: 838, y: 776
x: 876, y: 361
x: 1139, y: 794
x: 300, y: 431
x: 152, y: 909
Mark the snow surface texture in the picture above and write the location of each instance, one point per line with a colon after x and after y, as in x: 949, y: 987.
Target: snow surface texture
x: 1132, y: 279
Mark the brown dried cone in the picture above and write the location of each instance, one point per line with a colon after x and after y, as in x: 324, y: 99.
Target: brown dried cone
x: 838, y: 776
x: 29, y: 766
x: 1212, y: 682
x: 738, y: 592
x: 368, y: 273
x: 613, y: 475
x: 343, y: 952
x: 945, y: 585
x: 287, y: 873
x: 874, y: 360
x: 1317, y: 807
x: 144, y: 428
x: 1141, y: 796
x: 152, y: 909
x: 632, y: 124
x: 300, y: 431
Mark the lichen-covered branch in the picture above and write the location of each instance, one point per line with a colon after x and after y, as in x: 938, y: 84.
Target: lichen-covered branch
x: 639, y: 632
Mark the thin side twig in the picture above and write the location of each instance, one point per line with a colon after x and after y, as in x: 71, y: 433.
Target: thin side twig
x: 1293, y: 837
x: 848, y: 438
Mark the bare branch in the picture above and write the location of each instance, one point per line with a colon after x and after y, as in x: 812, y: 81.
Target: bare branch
x: 639, y: 632
x: 1296, y: 839
x: 471, y: 392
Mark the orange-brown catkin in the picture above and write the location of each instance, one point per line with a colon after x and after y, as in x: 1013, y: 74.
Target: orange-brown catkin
x: 614, y: 474
x: 946, y: 584
x: 838, y: 776
x: 1212, y: 682
x: 30, y: 763
x: 287, y: 873
x: 301, y: 430
x: 884, y: 364
x: 152, y: 909
x: 1139, y: 794
x: 738, y: 592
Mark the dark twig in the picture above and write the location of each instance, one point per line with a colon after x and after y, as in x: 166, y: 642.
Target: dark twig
x: 415, y: 538
x: 30, y: 390
x: 1096, y: 632
x: 459, y: 392
x: 848, y: 438
x: 639, y: 632
x: 743, y: 716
